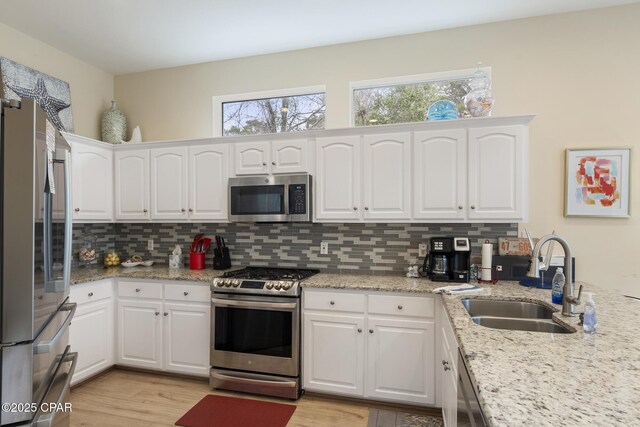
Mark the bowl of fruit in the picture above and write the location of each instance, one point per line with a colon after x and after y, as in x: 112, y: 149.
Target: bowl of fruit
x: 111, y: 259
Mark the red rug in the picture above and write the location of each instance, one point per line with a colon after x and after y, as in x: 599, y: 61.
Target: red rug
x: 221, y: 411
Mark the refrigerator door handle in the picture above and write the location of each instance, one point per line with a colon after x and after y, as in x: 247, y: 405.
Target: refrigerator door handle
x: 47, y: 346
x: 47, y: 419
x: 68, y: 224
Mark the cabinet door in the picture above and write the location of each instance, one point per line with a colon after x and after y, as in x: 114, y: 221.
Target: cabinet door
x: 497, y: 167
x: 334, y: 353
x: 337, y: 180
x: 440, y: 174
x: 208, y: 178
x: 400, y: 360
x: 449, y: 356
x: 289, y: 156
x: 169, y: 183
x: 387, y: 176
x: 92, y: 169
x: 91, y: 335
x: 132, y: 184
x: 186, y: 338
x: 140, y: 333
x: 252, y: 158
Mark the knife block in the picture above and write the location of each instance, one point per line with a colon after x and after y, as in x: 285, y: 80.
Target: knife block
x: 221, y: 258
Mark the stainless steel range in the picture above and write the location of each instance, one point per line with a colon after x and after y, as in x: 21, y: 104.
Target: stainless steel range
x: 255, y: 331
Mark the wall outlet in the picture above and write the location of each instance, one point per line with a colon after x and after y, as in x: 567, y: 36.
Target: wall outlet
x: 324, y: 248
x: 422, y: 250
x: 150, y: 244
x: 498, y: 267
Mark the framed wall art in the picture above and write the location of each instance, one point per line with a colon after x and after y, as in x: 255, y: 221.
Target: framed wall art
x: 597, y: 182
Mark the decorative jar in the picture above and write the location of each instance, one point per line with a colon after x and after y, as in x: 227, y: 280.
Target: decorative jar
x: 114, y: 125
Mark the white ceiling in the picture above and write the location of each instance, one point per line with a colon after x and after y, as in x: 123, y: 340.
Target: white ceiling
x: 124, y: 36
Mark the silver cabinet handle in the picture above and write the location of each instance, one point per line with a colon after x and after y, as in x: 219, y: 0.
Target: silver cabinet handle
x: 90, y: 294
x: 366, y: 208
x: 77, y: 209
x: 370, y: 331
x: 332, y: 302
x: 273, y: 163
x: 157, y: 313
x: 144, y: 210
x: 359, y: 330
x: 460, y: 207
x: 182, y: 210
x: 446, y: 366
x: 473, y: 207
x: 186, y: 293
x: 355, y: 208
x: 190, y: 210
x: 165, y: 314
x: 264, y: 164
x: 137, y: 289
x: 399, y: 307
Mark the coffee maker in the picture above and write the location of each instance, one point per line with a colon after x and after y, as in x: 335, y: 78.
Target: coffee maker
x: 448, y: 260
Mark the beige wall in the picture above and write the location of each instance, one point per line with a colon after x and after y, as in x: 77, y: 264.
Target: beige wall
x: 91, y: 88
x: 579, y: 72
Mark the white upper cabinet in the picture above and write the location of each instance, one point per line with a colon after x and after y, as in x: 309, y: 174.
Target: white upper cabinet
x: 208, y: 178
x: 169, y: 183
x: 132, y: 184
x: 337, y: 178
x: 92, y: 176
x: 289, y: 156
x: 497, y: 170
x: 275, y: 157
x: 387, y: 176
x: 439, y: 166
x: 252, y: 158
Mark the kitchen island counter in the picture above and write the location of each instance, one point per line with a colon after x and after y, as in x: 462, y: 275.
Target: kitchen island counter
x: 534, y: 378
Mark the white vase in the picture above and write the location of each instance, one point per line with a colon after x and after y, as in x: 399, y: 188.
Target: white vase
x: 114, y: 125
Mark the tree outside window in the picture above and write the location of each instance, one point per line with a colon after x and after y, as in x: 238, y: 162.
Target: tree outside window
x: 274, y: 115
x: 407, y: 102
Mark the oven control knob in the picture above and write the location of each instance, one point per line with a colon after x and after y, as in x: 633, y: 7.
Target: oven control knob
x: 217, y: 283
x: 278, y: 285
x: 286, y: 286
x: 227, y: 283
x: 269, y: 285
x: 235, y: 283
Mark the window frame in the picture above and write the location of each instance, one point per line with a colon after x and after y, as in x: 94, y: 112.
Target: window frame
x: 218, y: 100
x: 407, y: 80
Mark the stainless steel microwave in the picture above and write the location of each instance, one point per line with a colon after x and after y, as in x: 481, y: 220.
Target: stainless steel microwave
x: 270, y: 198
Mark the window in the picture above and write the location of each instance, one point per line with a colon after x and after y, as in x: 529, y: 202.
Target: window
x: 270, y: 112
x: 407, y: 99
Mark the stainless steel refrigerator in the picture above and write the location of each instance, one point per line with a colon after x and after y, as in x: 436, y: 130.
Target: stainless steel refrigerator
x: 35, y: 262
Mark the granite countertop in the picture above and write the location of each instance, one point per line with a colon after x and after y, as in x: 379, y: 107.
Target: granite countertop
x: 522, y: 378
x: 534, y: 378
x: 155, y: 272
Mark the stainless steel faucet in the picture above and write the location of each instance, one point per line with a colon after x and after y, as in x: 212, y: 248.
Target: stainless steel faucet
x: 568, y: 300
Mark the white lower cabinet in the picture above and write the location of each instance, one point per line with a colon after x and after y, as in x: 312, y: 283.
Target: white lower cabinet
x: 164, y: 326
x: 382, y: 349
x: 91, y: 330
x: 449, y: 365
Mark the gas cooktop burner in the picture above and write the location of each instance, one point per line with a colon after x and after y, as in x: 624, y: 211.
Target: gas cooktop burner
x: 263, y: 280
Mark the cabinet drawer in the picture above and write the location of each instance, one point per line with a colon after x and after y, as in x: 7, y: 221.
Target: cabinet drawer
x: 334, y: 301
x: 90, y: 292
x: 402, y: 305
x: 139, y: 289
x: 187, y: 293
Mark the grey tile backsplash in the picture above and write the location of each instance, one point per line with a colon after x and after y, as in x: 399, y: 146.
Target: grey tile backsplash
x: 352, y: 247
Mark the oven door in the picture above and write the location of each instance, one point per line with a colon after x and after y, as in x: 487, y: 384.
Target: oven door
x: 256, y: 334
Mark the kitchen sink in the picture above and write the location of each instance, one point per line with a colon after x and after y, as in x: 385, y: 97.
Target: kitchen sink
x: 532, y: 325
x: 514, y: 315
x: 506, y: 308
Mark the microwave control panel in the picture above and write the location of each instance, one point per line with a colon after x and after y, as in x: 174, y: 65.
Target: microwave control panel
x: 297, y: 199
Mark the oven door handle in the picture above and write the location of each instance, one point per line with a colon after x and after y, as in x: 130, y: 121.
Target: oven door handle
x: 254, y: 304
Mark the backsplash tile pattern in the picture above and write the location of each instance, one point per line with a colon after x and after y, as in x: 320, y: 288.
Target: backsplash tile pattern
x: 105, y: 235
x: 359, y: 248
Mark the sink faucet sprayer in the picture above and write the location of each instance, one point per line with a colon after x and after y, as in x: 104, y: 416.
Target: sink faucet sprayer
x: 568, y: 300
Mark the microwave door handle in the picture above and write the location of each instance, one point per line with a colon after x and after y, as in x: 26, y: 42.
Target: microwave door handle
x: 254, y: 304
x: 286, y: 200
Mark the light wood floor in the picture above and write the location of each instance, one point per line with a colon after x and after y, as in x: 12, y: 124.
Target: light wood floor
x: 135, y: 399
